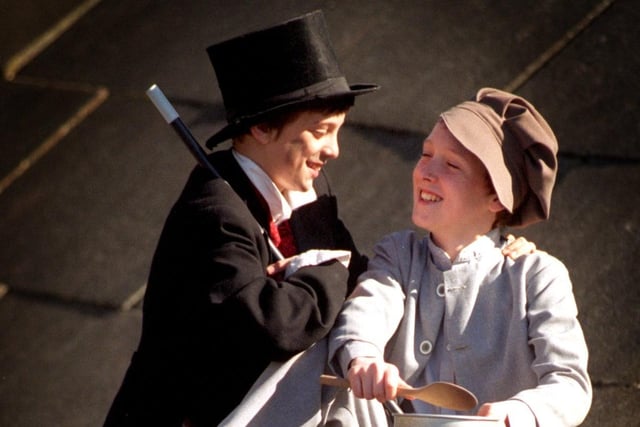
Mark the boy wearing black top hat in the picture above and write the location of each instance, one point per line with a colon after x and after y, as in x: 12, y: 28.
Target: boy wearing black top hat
x: 213, y: 319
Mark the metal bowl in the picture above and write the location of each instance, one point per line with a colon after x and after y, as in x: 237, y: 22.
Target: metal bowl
x: 427, y: 420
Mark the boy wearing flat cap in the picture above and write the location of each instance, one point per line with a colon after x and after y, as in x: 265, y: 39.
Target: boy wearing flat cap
x: 449, y: 306
x: 213, y: 318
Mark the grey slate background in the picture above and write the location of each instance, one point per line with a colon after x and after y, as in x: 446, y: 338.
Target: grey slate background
x: 79, y: 224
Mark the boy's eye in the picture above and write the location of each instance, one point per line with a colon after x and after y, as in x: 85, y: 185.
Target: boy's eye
x: 453, y: 165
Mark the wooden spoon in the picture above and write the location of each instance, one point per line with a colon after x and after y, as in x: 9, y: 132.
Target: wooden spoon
x: 442, y: 394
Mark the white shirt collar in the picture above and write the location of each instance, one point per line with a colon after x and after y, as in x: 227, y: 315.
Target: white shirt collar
x: 280, y: 205
x: 473, y: 250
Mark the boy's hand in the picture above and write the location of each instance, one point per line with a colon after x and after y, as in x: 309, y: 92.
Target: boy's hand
x: 512, y: 412
x: 310, y: 257
x: 373, y: 378
x: 279, y: 266
x: 517, y: 247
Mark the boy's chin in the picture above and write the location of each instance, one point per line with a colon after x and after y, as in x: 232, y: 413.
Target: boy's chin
x: 418, y: 221
x: 302, y: 188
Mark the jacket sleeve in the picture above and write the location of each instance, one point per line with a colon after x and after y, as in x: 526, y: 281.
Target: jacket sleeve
x: 229, y: 255
x: 318, y: 226
x: 373, y: 311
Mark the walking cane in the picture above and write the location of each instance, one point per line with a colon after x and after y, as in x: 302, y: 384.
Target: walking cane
x: 171, y: 116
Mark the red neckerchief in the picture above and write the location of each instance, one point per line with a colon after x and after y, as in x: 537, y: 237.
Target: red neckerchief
x: 281, y: 235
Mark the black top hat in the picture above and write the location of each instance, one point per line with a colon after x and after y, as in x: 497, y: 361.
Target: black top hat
x: 287, y: 64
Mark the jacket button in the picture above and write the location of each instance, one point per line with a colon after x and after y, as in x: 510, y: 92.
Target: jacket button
x: 440, y: 290
x: 426, y: 347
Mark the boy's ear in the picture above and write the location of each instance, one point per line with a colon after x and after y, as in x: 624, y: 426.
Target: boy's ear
x: 495, y: 206
x: 261, y: 133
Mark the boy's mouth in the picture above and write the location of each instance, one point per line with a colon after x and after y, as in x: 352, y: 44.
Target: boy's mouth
x: 429, y: 197
x: 315, y: 165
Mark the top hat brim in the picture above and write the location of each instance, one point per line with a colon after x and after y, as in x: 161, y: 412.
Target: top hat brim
x: 240, y: 124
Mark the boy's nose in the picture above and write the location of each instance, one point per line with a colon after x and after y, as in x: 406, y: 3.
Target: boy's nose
x: 331, y: 149
x: 428, y: 172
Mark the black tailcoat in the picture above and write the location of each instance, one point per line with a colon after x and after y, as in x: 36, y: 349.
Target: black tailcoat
x: 212, y: 319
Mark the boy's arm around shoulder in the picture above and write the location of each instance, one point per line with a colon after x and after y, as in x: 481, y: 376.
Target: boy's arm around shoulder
x: 231, y: 256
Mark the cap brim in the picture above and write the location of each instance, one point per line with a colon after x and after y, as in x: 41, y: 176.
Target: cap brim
x: 234, y: 129
x: 472, y: 129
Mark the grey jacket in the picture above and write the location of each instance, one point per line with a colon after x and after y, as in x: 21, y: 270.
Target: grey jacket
x: 507, y: 329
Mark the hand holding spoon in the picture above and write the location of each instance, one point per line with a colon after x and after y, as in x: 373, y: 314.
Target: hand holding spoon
x: 442, y: 394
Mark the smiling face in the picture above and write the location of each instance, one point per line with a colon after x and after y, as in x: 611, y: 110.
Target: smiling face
x: 294, y: 155
x: 453, y: 198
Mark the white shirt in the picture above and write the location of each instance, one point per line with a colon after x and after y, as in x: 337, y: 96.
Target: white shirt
x: 280, y: 205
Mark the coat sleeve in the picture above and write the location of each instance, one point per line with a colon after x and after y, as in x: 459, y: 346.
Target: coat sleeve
x: 373, y: 311
x: 563, y: 395
x: 216, y: 249
x: 318, y: 226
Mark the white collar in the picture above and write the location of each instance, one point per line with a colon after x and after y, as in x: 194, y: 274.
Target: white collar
x: 280, y: 205
x: 473, y: 250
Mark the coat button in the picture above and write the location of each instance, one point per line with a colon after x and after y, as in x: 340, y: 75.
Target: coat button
x: 426, y: 347
x: 440, y: 290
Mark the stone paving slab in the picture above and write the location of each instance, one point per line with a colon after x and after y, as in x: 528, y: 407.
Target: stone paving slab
x: 590, y: 93
x: 84, y: 221
x: 29, y: 115
x: 60, y: 365
x: 614, y: 407
x: 34, y: 18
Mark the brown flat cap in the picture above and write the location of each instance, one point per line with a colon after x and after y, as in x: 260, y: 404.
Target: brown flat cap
x: 516, y: 146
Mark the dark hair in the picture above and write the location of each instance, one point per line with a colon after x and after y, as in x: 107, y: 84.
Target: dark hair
x: 282, y: 116
x: 503, y: 219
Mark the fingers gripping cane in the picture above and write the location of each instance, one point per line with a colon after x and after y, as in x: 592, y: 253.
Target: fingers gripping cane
x: 171, y: 116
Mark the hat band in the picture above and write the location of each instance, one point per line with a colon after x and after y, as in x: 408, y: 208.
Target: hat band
x: 327, y: 88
